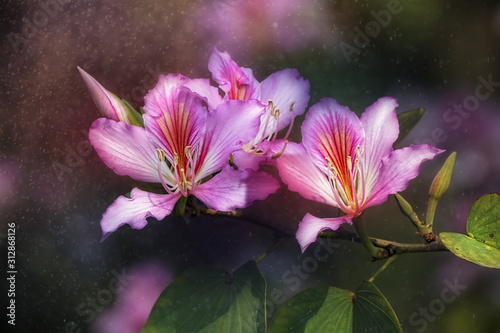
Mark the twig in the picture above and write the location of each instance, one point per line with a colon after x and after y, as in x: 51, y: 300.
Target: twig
x: 384, y: 266
x: 392, y: 248
x: 272, y: 248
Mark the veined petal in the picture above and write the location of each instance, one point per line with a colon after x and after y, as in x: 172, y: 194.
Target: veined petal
x: 286, y: 89
x: 297, y: 170
x: 231, y: 189
x: 106, y: 102
x: 136, y: 210
x: 208, y: 93
x: 398, y: 169
x: 381, y: 130
x: 228, y: 128
x: 237, y: 83
x: 311, y: 226
x: 175, y: 117
x: 332, y: 131
x: 126, y: 149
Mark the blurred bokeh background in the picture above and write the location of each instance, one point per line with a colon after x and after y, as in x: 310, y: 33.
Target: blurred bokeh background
x: 441, y: 55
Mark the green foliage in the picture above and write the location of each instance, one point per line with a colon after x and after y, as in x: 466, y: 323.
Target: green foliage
x: 408, y: 120
x: 470, y: 249
x: 481, y: 245
x: 208, y: 299
x: 483, y: 222
x: 329, y: 309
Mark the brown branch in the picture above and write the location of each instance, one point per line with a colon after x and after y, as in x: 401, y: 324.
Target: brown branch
x: 391, y: 247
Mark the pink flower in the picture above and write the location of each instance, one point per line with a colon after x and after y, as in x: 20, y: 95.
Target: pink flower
x: 348, y: 162
x: 284, y: 93
x: 182, y: 146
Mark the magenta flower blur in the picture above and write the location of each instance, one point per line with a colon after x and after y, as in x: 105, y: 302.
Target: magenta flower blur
x: 182, y: 146
x: 137, y: 292
x: 348, y: 162
x: 284, y: 93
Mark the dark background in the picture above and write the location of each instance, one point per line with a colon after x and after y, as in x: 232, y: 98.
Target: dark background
x: 54, y: 187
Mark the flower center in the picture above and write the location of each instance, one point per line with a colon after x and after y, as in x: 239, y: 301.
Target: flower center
x: 348, y: 185
x: 262, y: 144
x: 183, y: 173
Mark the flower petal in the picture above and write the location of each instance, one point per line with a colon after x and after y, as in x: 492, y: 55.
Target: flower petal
x: 106, y: 102
x: 244, y: 160
x: 203, y: 88
x: 398, y: 169
x: 175, y: 117
x: 381, y: 130
x: 126, y: 149
x: 237, y: 83
x: 297, y: 170
x: 332, y: 131
x: 228, y: 128
x: 136, y: 210
x: 231, y: 189
x: 284, y: 88
x: 311, y: 226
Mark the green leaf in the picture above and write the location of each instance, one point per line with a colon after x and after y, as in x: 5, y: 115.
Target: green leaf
x: 483, y: 222
x: 372, y: 311
x: 408, y: 120
x: 471, y: 250
x: 208, y: 299
x: 330, y: 309
x: 481, y: 245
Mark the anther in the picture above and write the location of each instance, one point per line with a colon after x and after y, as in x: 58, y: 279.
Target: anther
x: 271, y: 107
x: 276, y: 114
x: 187, y: 151
x: 349, y: 163
x: 328, y: 162
x: 161, y: 154
x: 291, y: 106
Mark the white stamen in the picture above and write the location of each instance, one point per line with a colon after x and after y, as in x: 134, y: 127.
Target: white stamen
x: 161, y: 158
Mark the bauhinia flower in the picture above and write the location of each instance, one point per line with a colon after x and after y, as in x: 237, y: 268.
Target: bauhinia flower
x: 285, y: 94
x: 108, y: 104
x: 348, y: 162
x: 182, y: 146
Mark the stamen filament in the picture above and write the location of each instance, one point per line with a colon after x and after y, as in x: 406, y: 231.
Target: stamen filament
x: 277, y: 115
x: 161, y: 158
x: 191, y: 165
x: 291, y: 122
x: 332, y: 180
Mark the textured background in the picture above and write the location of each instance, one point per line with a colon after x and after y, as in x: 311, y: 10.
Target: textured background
x: 55, y: 188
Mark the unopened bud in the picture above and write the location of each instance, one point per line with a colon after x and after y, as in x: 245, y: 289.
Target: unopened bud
x: 440, y: 185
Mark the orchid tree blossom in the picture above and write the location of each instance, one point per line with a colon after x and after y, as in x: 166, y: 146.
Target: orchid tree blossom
x: 108, y: 104
x: 183, y: 147
x: 348, y: 162
x: 284, y: 93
